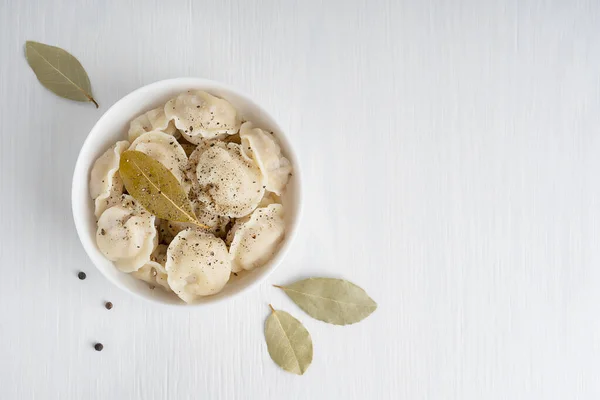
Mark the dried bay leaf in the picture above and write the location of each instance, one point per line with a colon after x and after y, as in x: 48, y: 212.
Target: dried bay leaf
x: 155, y: 187
x: 335, y: 301
x: 288, y: 342
x: 58, y: 71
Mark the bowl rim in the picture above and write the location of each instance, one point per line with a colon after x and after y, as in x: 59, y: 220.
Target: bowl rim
x: 291, y: 231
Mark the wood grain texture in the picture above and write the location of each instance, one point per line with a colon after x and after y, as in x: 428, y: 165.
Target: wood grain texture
x: 450, y: 155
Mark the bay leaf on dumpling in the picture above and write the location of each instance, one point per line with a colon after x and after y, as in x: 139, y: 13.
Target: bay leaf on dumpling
x: 155, y: 187
x: 59, y: 71
x: 288, y: 342
x: 335, y: 301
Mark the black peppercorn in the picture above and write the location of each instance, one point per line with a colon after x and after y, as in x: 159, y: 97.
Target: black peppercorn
x: 81, y: 275
x: 108, y: 305
x: 98, y: 346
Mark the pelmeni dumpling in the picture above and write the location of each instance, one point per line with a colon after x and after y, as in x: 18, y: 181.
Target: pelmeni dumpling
x: 166, y: 150
x: 106, y: 186
x: 225, y: 183
x: 197, y: 264
x: 126, y: 234
x: 154, y: 272
x: 150, y: 121
x: 199, y: 115
x: 192, y: 165
x: 216, y: 223
x: 255, y: 239
x: 262, y: 147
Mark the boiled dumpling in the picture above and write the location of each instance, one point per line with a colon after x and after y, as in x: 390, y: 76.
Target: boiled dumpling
x: 106, y: 186
x: 164, y: 149
x: 192, y: 165
x: 264, y: 150
x: 224, y: 182
x: 150, y: 121
x: 154, y: 272
x: 255, y: 239
x: 126, y: 234
x: 197, y: 264
x: 216, y: 223
x: 200, y: 115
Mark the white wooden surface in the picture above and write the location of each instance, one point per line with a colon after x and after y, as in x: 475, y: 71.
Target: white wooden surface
x: 451, y: 156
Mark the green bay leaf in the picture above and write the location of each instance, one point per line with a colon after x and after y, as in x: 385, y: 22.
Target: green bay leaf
x: 59, y: 71
x: 155, y: 188
x: 335, y: 301
x: 288, y: 342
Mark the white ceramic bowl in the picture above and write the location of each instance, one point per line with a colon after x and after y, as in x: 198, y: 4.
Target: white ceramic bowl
x: 113, y: 126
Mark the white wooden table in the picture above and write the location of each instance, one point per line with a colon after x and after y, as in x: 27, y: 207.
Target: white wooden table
x: 450, y: 150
